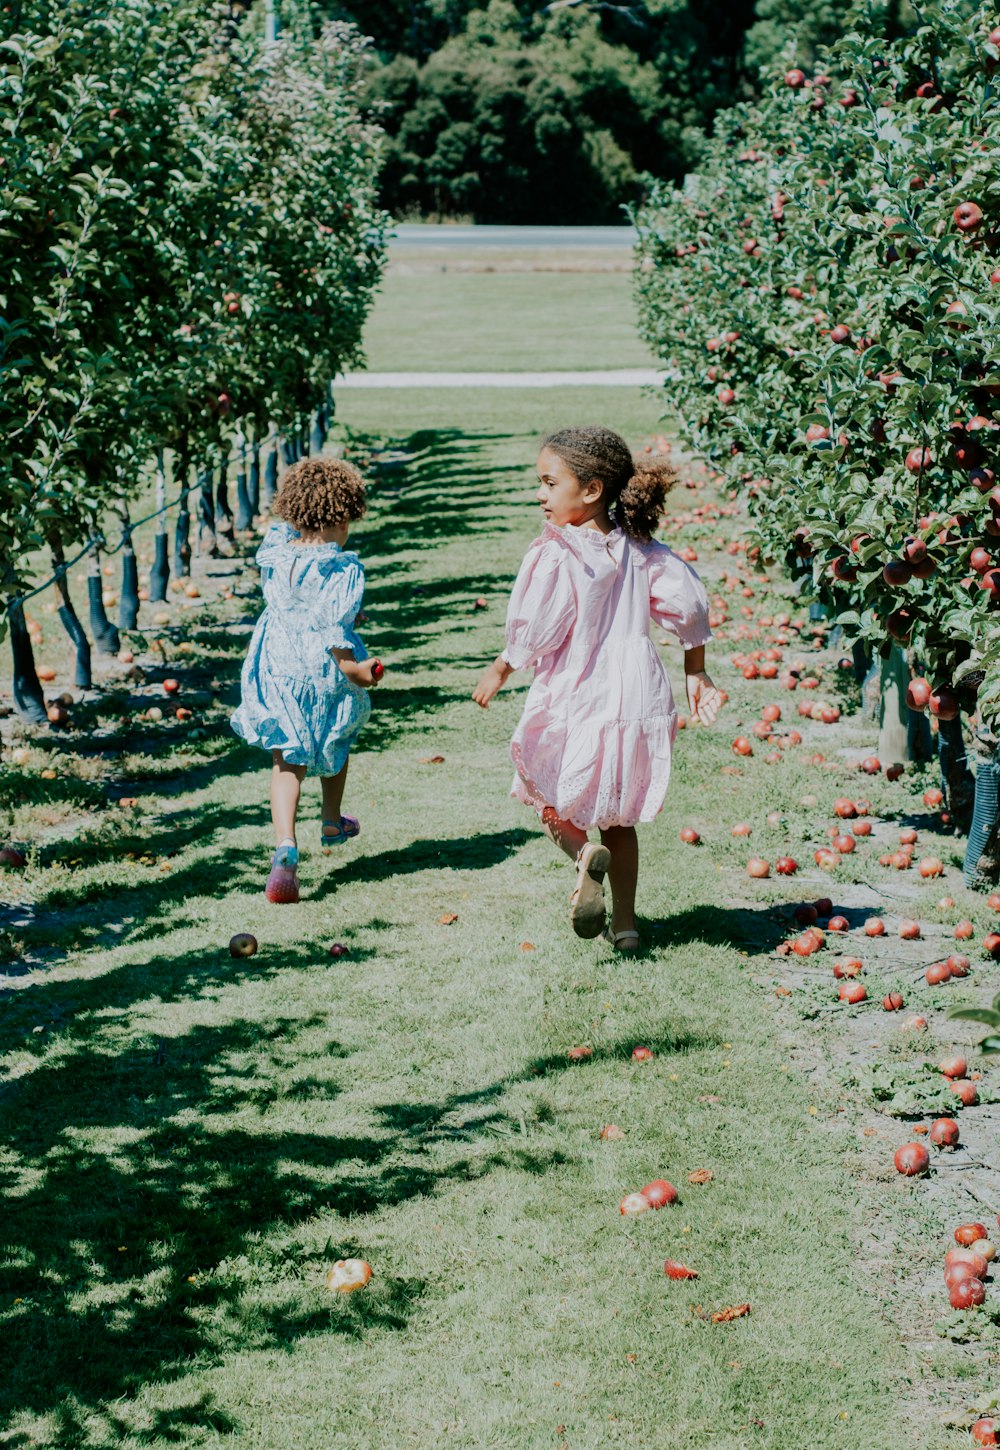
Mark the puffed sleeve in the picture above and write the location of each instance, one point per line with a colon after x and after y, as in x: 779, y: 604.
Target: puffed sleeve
x: 542, y: 605
x: 278, y: 535
x: 677, y: 598
x: 341, y: 592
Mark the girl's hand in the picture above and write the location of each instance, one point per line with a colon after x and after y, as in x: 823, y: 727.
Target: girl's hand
x: 704, y: 698
x: 363, y: 673
x: 491, y: 681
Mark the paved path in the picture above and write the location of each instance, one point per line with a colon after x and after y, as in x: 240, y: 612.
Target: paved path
x: 607, y: 377
x: 419, y: 234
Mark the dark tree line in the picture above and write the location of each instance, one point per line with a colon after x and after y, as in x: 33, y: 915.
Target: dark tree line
x: 509, y: 110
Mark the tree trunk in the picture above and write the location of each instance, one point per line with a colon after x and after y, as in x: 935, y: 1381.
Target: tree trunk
x: 82, y: 676
x: 253, y: 482
x: 244, y: 511
x: 982, y: 853
x: 104, y: 633
x: 956, y: 777
x: 128, y: 609
x: 893, y: 733
x: 206, y: 515
x: 270, y: 476
x: 28, y: 696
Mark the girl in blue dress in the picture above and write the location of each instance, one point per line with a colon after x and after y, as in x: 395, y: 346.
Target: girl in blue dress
x: 307, y: 674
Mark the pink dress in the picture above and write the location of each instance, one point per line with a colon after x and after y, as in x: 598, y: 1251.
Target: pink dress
x: 598, y: 727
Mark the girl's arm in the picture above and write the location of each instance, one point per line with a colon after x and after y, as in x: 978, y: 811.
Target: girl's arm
x: 703, y: 697
x: 358, y: 672
x: 493, y: 678
x: 539, y: 616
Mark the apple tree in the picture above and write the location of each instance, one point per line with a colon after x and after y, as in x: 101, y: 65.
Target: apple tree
x: 825, y: 294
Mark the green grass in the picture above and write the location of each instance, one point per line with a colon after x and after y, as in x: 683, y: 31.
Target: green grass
x: 504, y: 321
x: 189, y: 1141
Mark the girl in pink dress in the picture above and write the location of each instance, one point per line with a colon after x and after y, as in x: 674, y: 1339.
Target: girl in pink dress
x: 592, y: 748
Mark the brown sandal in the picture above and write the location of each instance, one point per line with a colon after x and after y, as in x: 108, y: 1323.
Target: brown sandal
x: 588, y: 911
x: 626, y: 942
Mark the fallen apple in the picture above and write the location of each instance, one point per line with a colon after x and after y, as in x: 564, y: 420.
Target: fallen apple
x: 674, y: 1269
x: 633, y: 1204
x: 242, y: 945
x: 967, y: 1233
x: 944, y: 1133
x: 911, y: 1158
x: 659, y: 1193
x: 348, y: 1275
x: 967, y: 1293
x: 954, y: 1067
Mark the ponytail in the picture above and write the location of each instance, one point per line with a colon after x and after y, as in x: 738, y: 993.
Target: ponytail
x: 639, y: 507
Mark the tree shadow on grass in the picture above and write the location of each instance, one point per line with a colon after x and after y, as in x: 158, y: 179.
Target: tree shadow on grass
x: 756, y: 930
x: 460, y: 853
x: 171, y: 1208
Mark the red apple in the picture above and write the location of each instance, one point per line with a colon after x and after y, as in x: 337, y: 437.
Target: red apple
x: 785, y: 866
x: 911, y: 1158
x: 242, y: 945
x: 968, y: 1234
x: 937, y: 973
x: 909, y: 930
x: 918, y: 460
x: 967, y: 1293
x: 944, y: 1133
x: 918, y: 693
x: 874, y: 926
x: 954, y: 1067
x: 758, y: 867
x: 689, y: 836
x: 967, y: 216
x: 851, y: 992
x: 659, y: 1193
x: 892, y: 1001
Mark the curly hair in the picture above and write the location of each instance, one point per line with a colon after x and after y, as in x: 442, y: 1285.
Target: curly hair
x: 635, y: 490
x: 319, y: 493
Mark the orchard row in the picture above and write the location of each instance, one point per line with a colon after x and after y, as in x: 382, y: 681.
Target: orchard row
x: 189, y: 242
x: 826, y: 295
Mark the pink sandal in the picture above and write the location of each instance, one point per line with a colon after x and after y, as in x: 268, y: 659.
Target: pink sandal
x: 283, y: 883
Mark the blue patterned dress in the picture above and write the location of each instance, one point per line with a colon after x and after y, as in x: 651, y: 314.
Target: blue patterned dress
x: 295, y: 698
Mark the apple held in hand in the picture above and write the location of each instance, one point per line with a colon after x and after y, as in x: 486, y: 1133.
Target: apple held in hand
x: 378, y: 670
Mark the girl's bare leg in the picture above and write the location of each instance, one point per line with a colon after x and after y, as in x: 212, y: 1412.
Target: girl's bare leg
x: 568, y: 838
x: 623, y: 874
x: 286, y: 784
x: 333, y: 794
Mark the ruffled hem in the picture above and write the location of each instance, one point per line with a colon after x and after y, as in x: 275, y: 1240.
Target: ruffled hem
x: 313, y: 728
x: 622, y: 782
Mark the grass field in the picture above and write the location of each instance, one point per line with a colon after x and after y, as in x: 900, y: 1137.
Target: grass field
x: 504, y: 321
x: 189, y: 1140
